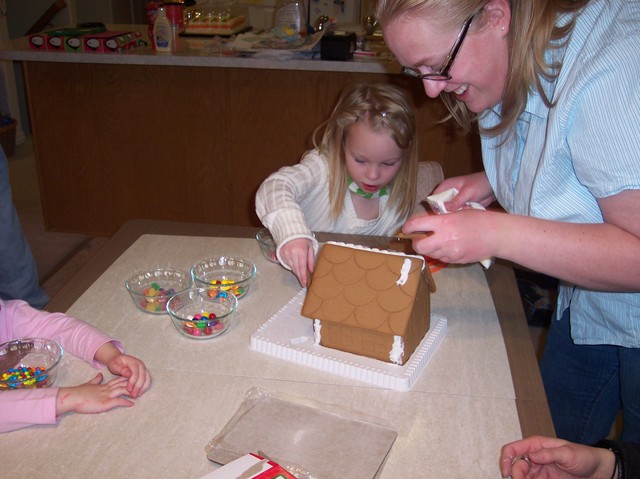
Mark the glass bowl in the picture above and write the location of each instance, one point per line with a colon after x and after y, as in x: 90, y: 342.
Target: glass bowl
x: 29, y: 363
x: 267, y: 245
x: 233, y: 275
x: 150, y: 290
x: 199, y: 315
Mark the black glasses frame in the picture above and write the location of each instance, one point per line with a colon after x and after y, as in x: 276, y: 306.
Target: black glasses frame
x: 443, y: 73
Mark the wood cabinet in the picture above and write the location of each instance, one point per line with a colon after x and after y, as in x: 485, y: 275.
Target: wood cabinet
x: 115, y: 142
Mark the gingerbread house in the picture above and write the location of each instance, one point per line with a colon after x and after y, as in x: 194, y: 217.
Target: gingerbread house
x: 369, y: 302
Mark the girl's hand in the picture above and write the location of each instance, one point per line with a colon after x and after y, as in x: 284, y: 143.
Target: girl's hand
x: 93, y: 397
x: 298, y: 254
x: 474, y: 187
x: 129, y: 367
x: 134, y: 370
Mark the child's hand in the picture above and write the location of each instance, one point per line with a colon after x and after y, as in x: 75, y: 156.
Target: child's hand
x: 137, y: 374
x: 299, y: 255
x: 134, y: 370
x: 93, y: 397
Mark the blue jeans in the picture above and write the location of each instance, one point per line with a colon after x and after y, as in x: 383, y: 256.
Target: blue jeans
x: 18, y: 274
x: 587, y: 385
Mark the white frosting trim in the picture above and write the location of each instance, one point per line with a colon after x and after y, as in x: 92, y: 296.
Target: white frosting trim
x: 317, y: 335
x: 397, y: 350
x: 404, y: 272
x: 376, y: 250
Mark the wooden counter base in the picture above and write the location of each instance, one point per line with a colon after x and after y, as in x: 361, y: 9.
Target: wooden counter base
x: 116, y: 142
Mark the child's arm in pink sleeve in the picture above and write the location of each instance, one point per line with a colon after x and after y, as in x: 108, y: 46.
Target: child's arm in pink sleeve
x: 26, y: 407
x: 76, y: 336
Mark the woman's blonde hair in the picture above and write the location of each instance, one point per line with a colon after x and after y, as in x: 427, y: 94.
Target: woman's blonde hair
x: 532, y: 32
x: 382, y: 107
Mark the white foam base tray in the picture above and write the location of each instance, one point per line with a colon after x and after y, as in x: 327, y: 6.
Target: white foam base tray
x: 289, y: 335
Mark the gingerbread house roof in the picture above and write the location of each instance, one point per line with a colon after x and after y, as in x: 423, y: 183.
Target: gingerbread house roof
x: 365, y: 288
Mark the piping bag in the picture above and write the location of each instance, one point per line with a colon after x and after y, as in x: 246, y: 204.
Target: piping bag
x: 436, y: 202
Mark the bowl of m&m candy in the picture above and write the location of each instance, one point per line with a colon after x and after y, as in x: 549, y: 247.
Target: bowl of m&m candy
x: 150, y: 290
x: 267, y: 245
x: 199, y: 315
x: 224, y: 274
x: 29, y: 363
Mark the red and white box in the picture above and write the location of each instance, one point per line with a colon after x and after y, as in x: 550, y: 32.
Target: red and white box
x: 250, y: 466
x: 112, y: 42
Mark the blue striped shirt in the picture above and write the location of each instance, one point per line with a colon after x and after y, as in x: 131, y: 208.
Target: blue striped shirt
x: 586, y: 147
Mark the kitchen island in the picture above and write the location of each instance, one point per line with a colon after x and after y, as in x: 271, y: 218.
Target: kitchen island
x: 190, y: 135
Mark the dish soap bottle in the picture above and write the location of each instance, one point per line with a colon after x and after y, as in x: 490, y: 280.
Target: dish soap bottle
x: 162, y: 31
x: 291, y: 14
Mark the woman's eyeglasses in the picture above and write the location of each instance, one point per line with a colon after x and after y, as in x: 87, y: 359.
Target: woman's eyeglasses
x: 443, y: 73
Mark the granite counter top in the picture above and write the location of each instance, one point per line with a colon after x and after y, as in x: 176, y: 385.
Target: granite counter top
x: 192, y: 53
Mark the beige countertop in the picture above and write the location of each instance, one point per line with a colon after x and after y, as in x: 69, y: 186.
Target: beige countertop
x: 193, y: 52
x: 450, y: 424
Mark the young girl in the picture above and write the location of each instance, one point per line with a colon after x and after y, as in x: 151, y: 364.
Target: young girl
x: 359, y: 179
x: 24, y: 407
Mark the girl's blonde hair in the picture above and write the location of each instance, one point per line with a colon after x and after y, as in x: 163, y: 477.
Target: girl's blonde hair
x: 532, y: 32
x: 383, y: 107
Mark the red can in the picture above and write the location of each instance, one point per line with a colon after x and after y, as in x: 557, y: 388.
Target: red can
x: 175, y: 14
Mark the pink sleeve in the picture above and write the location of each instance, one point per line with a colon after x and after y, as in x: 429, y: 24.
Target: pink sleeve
x: 26, y: 407
x: 75, y: 336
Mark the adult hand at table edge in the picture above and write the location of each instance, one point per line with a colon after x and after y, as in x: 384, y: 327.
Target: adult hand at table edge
x: 546, y: 457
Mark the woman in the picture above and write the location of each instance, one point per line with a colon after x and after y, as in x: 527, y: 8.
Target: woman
x: 554, y: 88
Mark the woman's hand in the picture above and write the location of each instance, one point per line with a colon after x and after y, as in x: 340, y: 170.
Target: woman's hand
x: 93, y: 397
x: 129, y: 367
x: 544, y: 458
x: 474, y: 187
x: 464, y: 236
x: 299, y: 255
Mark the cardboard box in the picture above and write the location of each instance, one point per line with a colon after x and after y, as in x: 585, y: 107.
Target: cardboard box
x: 250, y: 466
x: 38, y: 41
x: 112, y: 42
x: 65, y: 39
x: 85, y: 40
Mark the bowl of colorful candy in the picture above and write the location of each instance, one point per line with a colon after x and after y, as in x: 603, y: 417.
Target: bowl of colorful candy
x: 29, y: 363
x: 267, y: 245
x: 222, y: 273
x: 199, y: 315
x: 151, y: 290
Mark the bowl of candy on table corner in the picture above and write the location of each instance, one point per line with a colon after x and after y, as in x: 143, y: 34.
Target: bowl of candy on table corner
x: 224, y: 274
x: 267, y: 245
x: 29, y: 363
x: 151, y: 289
x: 198, y: 314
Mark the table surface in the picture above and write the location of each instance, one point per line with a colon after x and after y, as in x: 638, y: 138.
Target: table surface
x: 481, y: 389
